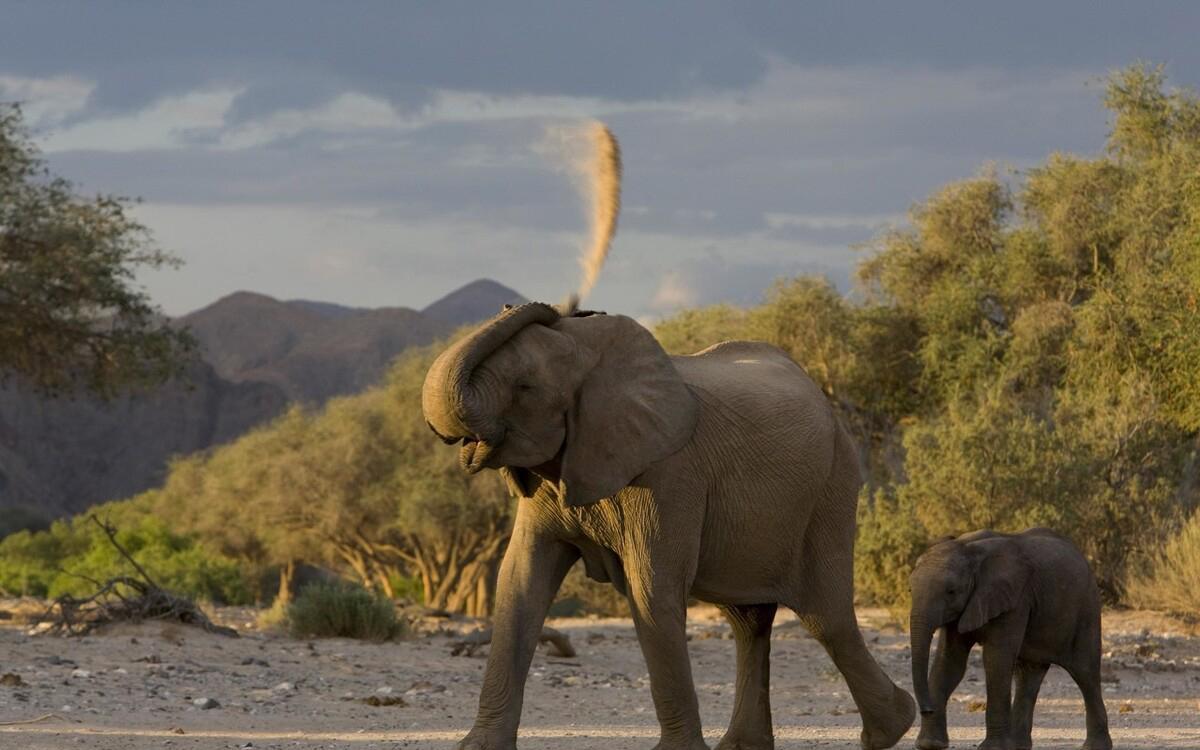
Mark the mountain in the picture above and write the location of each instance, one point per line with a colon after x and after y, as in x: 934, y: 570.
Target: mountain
x: 257, y: 355
x: 311, y: 350
x: 476, y: 301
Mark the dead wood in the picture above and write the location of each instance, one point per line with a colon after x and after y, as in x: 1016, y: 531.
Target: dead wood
x: 558, y: 640
x: 124, y: 599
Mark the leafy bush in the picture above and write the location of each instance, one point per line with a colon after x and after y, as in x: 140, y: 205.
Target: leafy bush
x: 1171, y: 581
x: 342, y: 610
x: 72, y: 555
x: 890, y: 539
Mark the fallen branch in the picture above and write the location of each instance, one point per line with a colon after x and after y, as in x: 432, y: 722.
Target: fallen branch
x: 558, y: 640
x: 124, y: 599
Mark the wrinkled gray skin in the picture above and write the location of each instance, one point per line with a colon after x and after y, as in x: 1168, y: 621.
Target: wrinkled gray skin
x: 723, y: 475
x: 1030, y: 599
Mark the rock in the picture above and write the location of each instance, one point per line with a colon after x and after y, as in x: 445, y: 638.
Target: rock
x: 284, y: 687
x: 424, y: 687
x: 81, y: 674
x: 251, y: 661
x: 12, y: 679
x: 206, y: 703
x: 385, y: 690
x: 384, y: 700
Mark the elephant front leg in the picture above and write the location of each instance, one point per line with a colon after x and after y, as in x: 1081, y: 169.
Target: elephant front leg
x: 532, y: 570
x: 661, y: 630
x: 998, y: 662
x: 949, y: 666
x: 750, y: 727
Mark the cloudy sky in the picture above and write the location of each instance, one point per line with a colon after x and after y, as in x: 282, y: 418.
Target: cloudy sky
x: 384, y: 153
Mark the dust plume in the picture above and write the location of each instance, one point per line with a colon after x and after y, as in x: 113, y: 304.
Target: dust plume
x: 593, y: 157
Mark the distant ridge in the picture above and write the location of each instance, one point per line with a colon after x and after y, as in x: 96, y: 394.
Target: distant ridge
x: 479, y: 300
x: 328, y: 309
x: 60, y: 456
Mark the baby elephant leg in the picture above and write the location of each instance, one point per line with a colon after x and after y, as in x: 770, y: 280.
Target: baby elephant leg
x: 1087, y: 677
x: 949, y: 666
x: 998, y: 662
x: 1029, y: 678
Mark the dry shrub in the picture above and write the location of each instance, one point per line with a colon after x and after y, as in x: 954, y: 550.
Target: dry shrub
x: 342, y: 610
x: 1169, y: 581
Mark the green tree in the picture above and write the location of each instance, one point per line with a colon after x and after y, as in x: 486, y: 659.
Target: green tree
x: 71, y: 313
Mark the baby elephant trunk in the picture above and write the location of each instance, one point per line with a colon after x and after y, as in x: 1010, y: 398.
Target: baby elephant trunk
x: 921, y: 634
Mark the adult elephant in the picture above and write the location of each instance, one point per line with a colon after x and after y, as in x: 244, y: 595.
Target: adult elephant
x: 723, y: 475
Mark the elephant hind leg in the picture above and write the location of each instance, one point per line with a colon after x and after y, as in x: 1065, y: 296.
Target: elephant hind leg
x: 1029, y: 676
x: 825, y: 606
x: 823, y: 598
x: 750, y: 728
x: 1085, y: 671
x: 887, y: 711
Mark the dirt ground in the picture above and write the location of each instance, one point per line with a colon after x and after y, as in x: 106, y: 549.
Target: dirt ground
x: 145, y: 686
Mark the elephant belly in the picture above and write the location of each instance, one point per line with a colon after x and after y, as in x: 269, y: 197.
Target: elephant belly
x: 769, y: 482
x: 753, y: 553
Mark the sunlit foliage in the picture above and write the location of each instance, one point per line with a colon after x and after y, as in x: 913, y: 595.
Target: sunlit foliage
x: 71, y: 312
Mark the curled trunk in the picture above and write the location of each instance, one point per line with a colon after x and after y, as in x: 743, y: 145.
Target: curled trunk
x: 451, y: 406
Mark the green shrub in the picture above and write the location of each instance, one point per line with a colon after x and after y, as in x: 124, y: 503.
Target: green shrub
x: 71, y: 555
x: 342, y: 610
x: 1171, y: 580
x: 890, y: 539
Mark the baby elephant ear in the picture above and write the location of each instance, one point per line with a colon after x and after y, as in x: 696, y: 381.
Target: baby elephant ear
x: 630, y: 410
x: 1000, y: 583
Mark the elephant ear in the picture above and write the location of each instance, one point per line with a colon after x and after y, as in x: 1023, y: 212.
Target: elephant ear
x: 1000, y: 583
x: 630, y: 410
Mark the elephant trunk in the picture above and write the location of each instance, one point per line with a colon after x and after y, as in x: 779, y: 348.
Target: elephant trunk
x: 451, y: 405
x: 921, y: 634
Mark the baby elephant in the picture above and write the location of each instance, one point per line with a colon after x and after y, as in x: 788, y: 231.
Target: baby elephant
x: 1030, y: 599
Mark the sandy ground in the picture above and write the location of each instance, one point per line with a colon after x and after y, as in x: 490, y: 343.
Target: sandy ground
x: 142, y: 686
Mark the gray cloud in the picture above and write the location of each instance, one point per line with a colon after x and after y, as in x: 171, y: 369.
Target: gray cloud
x: 385, y: 155
x: 292, y: 52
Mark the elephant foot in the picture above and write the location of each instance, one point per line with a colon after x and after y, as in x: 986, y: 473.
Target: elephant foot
x: 994, y: 743
x: 480, y: 740
x: 933, y: 735
x: 883, y: 731
x: 733, y: 741
x: 1098, y: 743
x: 1023, y: 738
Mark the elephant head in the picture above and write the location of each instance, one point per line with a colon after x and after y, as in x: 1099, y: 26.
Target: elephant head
x: 586, y: 402
x: 967, y: 582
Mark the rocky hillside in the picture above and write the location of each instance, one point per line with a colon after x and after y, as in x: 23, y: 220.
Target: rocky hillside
x: 60, y: 456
